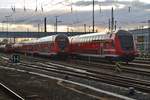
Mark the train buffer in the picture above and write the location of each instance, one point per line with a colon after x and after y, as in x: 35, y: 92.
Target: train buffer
x: 15, y: 58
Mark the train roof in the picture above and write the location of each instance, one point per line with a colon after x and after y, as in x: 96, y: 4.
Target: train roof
x: 123, y: 32
x: 49, y: 38
x: 46, y: 39
x: 17, y: 45
x: 102, y: 35
x: 42, y: 39
x: 92, y: 36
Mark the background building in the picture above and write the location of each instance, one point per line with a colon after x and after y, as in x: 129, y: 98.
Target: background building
x: 142, y: 37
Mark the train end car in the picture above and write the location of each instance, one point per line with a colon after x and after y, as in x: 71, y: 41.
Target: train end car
x: 8, y: 48
x: 117, y: 46
x: 55, y: 45
x: 62, y: 44
x: 125, y: 46
x: 2, y: 47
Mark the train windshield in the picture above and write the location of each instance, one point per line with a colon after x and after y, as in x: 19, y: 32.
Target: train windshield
x: 62, y: 41
x: 126, y: 42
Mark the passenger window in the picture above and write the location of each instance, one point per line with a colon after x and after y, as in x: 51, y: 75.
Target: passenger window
x: 84, y: 39
x: 88, y: 39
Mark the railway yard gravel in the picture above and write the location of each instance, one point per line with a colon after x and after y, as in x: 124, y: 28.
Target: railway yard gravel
x: 33, y: 87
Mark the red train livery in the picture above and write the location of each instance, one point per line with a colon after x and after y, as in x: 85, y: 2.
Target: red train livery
x: 6, y: 48
x: 50, y: 46
x: 111, y: 46
x: 115, y: 46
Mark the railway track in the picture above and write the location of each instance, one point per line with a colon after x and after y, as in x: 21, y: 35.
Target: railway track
x: 127, y: 82
x: 10, y: 93
x: 134, y: 68
x: 142, y: 61
x: 63, y: 70
x: 128, y: 68
x: 141, y: 85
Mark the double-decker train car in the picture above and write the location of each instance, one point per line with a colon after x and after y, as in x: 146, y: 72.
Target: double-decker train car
x: 111, y: 46
x: 49, y: 45
x: 2, y: 47
x: 7, y: 48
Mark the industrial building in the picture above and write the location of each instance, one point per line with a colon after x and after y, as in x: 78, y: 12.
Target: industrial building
x: 142, y: 37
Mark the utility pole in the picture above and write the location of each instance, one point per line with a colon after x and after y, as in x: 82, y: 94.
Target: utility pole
x: 14, y: 40
x: 2, y: 26
x: 115, y: 25
x: 85, y: 28
x: 112, y: 19
x: 56, y: 27
x: 38, y: 27
x: 7, y: 23
x: 36, y: 6
x: 24, y: 6
x: 45, y: 25
x: 109, y: 27
x: 93, y: 17
x: 56, y: 24
x: 149, y: 36
x: 67, y: 29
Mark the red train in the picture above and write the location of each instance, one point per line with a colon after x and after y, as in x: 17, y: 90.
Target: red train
x: 50, y: 46
x: 110, y: 46
x: 115, y: 46
x: 6, y: 48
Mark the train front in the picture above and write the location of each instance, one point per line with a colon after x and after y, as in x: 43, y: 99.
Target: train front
x: 125, y: 48
x: 62, y: 44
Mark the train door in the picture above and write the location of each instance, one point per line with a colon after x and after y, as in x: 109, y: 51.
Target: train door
x: 101, y: 49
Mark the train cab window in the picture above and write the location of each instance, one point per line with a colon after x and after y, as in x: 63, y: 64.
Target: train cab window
x: 126, y: 42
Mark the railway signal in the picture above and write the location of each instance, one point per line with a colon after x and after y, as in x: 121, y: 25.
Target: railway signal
x: 15, y: 58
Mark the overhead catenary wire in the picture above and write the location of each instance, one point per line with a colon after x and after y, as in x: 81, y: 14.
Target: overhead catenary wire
x: 62, y: 2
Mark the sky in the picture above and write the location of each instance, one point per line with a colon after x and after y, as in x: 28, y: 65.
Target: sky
x: 72, y: 14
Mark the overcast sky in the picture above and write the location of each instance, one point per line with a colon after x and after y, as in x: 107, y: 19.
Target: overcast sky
x: 72, y: 13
